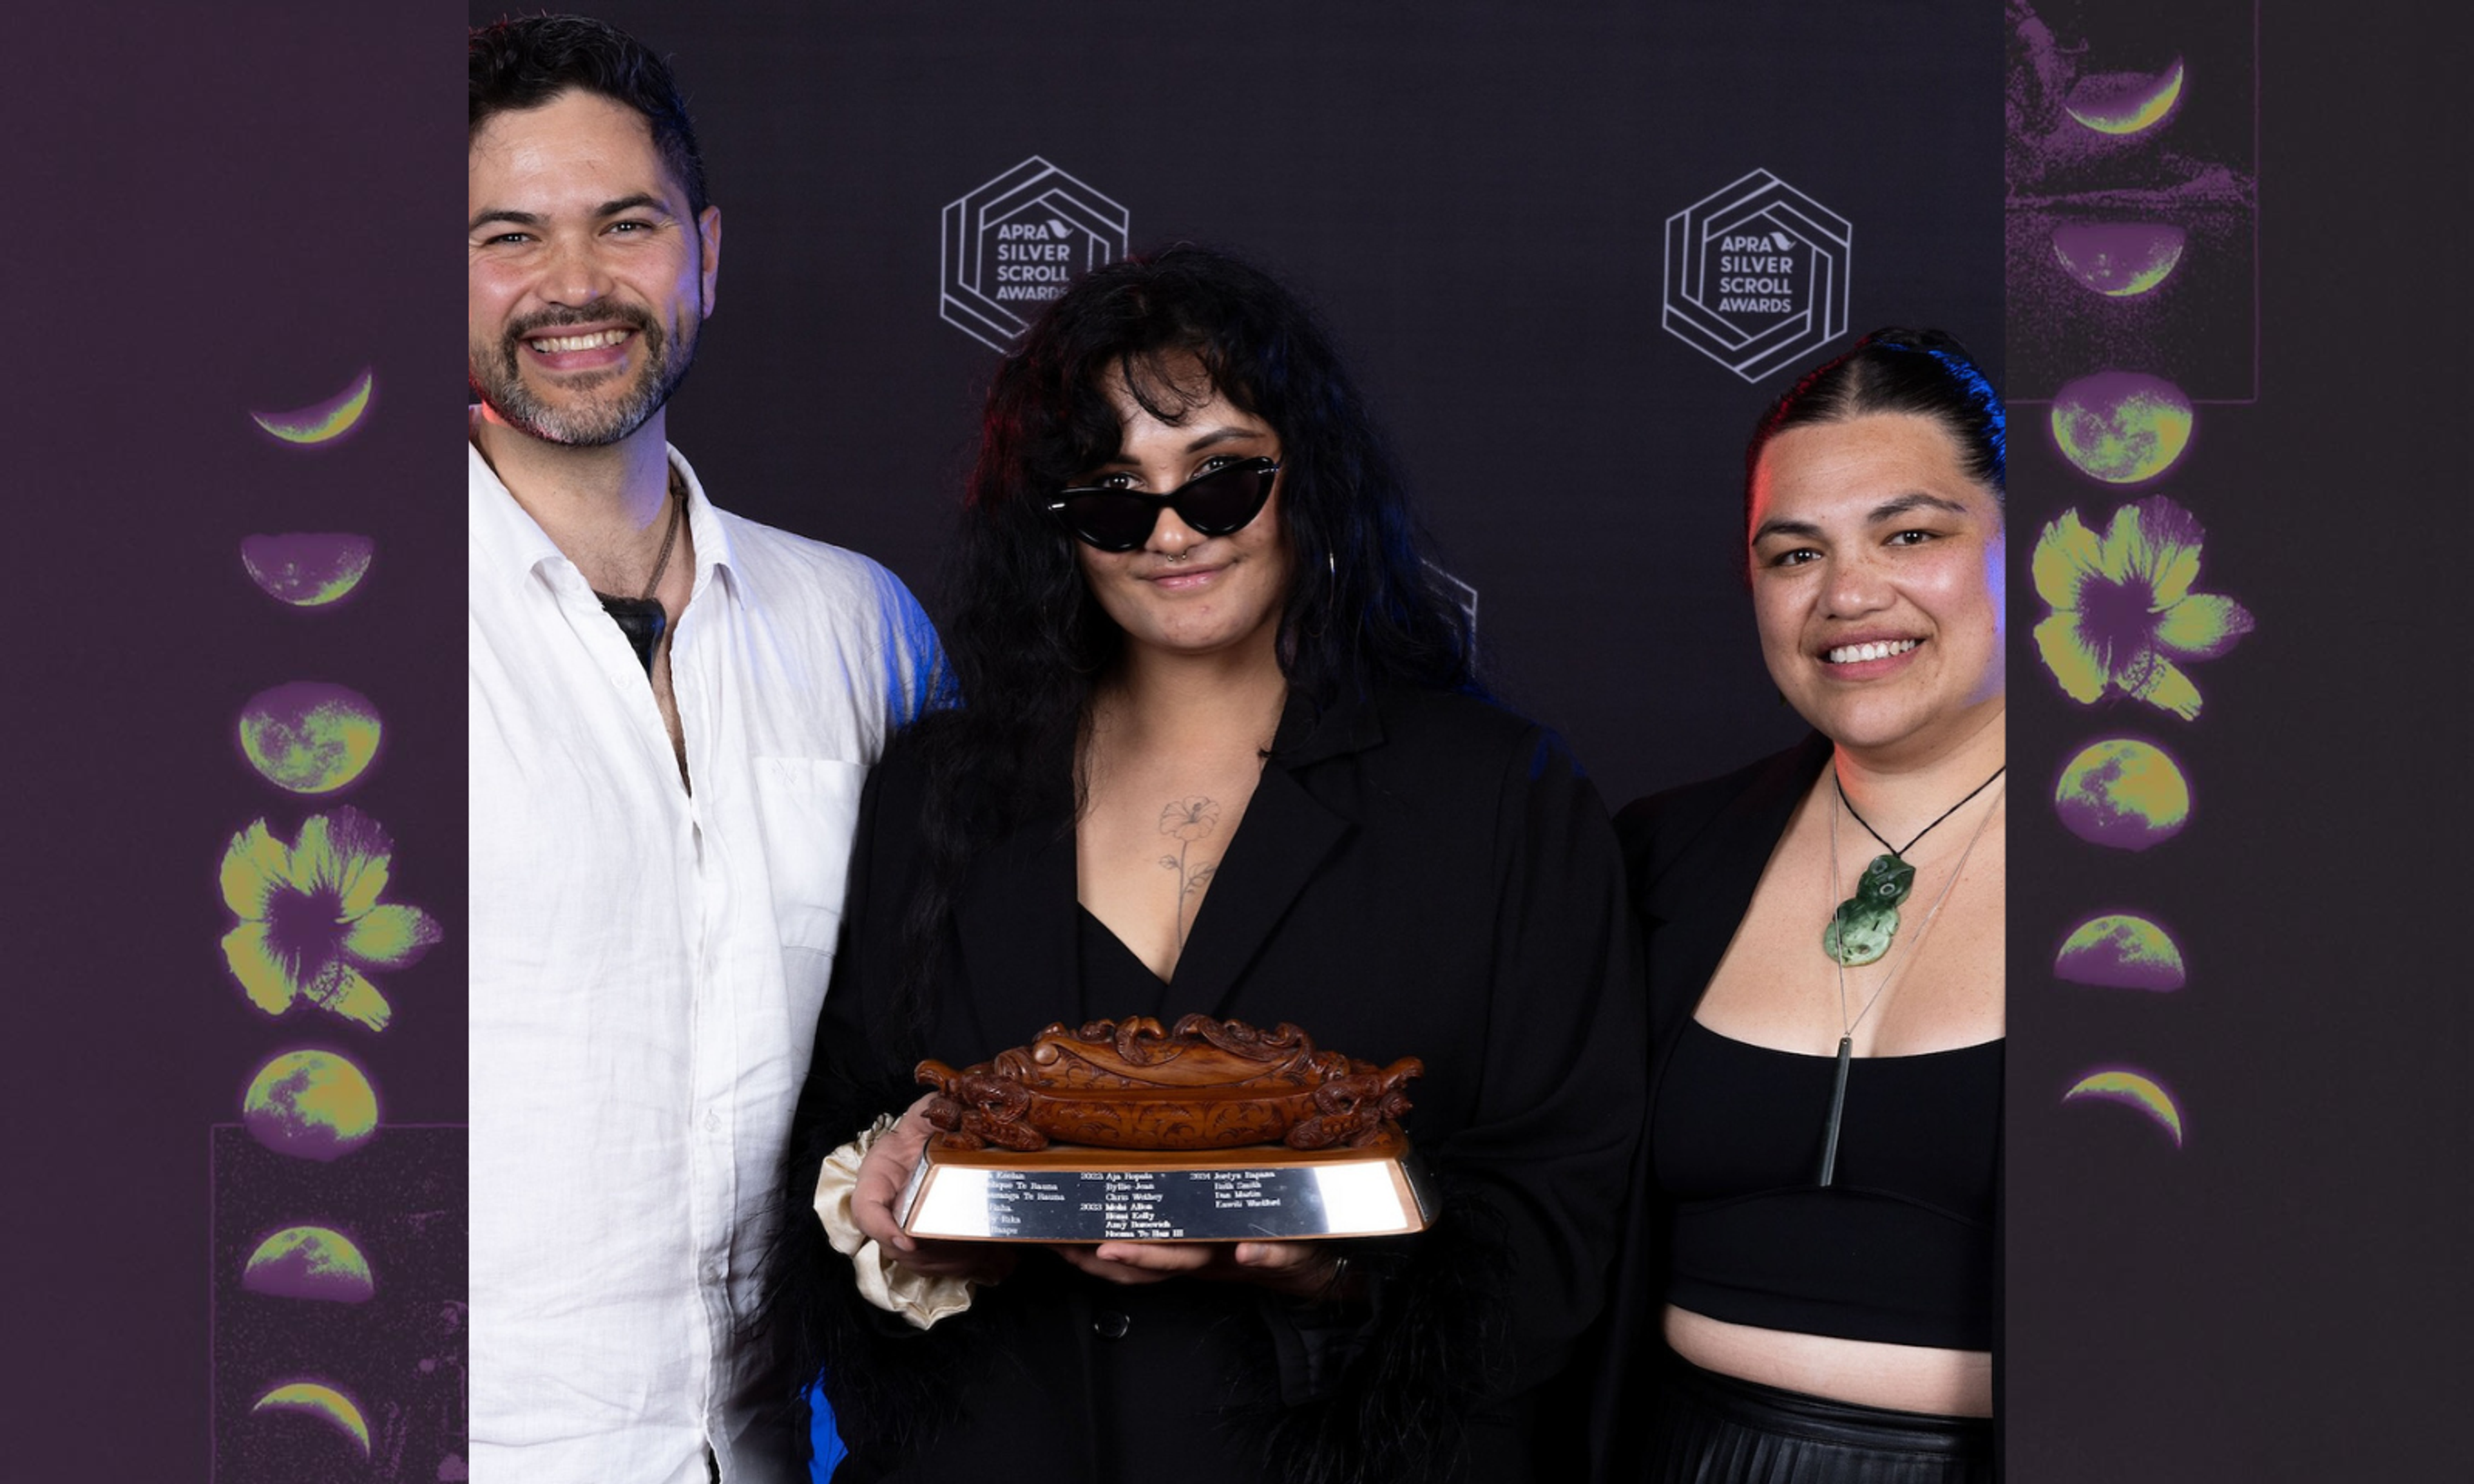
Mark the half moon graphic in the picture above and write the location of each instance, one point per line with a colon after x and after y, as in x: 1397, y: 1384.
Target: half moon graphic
x: 321, y: 1402
x: 2121, y: 952
x: 2122, y: 427
x: 2120, y: 259
x: 306, y: 570
x: 2122, y: 1085
x: 309, y: 1262
x: 321, y: 422
x: 2125, y: 103
x: 2123, y: 793
x: 308, y: 736
x: 313, y: 1105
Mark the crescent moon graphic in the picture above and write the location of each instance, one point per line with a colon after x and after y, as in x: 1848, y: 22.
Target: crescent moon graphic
x: 310, y: 1262
x: 306, y: 569
x: 321, y: 1402
x: 321, y: 422
x: 2125, y: 103
x: 2120, y: 259
x: 2120, y: 1085
x: 2121, y: 952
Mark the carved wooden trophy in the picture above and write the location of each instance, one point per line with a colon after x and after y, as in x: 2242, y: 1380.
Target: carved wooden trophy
x: 1211, y: 1132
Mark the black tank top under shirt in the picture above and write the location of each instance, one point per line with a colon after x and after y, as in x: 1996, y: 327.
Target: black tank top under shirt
x: 1114, y: 980
x: 1898, y: 1248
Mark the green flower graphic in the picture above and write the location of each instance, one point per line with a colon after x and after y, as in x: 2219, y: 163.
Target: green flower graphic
x: 2123, y: 609
x: 310, y: 919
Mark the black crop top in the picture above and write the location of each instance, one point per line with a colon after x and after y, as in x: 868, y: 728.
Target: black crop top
x: 1900, y: 1247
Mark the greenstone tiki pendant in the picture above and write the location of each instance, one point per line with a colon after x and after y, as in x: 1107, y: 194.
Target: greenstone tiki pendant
x: 1861, y: 931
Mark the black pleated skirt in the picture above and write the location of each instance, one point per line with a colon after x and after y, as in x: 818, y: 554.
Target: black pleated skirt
x: 1716, y: 1430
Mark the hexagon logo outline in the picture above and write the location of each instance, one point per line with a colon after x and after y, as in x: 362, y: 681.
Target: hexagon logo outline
x: 1702, y: 307
x: 1462, y: 594
x: 1012, y: 241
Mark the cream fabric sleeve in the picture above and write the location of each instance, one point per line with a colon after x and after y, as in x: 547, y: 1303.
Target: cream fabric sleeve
x: 918, y: 1298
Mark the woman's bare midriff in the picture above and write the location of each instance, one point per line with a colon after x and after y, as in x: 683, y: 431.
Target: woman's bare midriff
x: 1903, y: 1377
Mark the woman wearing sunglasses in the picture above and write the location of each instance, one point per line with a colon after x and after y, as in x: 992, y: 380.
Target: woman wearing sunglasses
x: 1811, y: 1293
x: 1220, y: 751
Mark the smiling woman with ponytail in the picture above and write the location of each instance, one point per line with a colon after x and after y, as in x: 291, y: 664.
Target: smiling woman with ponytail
x: 1809, y: 1293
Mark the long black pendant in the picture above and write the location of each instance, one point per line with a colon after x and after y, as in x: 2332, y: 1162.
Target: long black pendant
x: 641, y: 620
x: 1837, y: 1111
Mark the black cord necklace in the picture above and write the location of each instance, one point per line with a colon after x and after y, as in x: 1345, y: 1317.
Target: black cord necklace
x: 1861, y: 931
x: 642, y: 619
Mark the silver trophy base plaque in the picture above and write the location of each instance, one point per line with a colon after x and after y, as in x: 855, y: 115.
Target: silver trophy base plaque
x: 1066, y: 1194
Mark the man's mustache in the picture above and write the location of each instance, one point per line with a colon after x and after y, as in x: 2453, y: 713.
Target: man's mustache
x: 568, y: 318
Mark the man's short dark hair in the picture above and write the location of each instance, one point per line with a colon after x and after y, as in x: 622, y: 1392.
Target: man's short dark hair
x: 525, y: 62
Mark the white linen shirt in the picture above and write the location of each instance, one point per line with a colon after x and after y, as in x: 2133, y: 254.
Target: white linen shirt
x: 647, y: 966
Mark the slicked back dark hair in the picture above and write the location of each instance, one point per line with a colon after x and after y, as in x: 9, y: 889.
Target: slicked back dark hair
x: 1030, y: 645
x: 1923, y: 373
x: 525, y: 62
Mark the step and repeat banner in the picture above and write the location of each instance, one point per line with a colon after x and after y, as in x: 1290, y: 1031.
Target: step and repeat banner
x: 1570, y: 251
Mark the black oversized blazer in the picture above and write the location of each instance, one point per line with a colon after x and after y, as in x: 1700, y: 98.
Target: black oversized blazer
x: 1693, y: 857
x: 1418, y: 875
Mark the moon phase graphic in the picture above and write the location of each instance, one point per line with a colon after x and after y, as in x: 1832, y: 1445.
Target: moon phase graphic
x: 2120, y: 259
x: 2123, y: 793
x: 321, y: 422
x: 325, y: 1402
x: 2135, y: 1089
x: 2121, y: 952
x: 2125, y: 103
x: 306, y: 570
x: 313, y: 1105
x: 310, y: 1262
x: 2122, y: 427
x: 308, y: 736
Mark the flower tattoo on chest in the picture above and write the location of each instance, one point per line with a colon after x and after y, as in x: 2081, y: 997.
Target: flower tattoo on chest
x: 1187, y: 821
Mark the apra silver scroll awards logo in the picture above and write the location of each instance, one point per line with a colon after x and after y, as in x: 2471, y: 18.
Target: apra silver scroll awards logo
x: 1014, y: 242
x: 1757, y: 275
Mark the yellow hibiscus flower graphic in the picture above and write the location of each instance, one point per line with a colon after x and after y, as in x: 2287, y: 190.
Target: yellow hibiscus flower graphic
x: 2122, y: 610
x: 310, y: 919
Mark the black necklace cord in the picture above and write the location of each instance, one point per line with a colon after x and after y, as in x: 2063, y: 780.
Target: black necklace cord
x: 1901, y: 850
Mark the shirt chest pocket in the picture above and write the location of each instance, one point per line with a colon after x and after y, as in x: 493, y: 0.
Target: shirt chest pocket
x: 807, y: 811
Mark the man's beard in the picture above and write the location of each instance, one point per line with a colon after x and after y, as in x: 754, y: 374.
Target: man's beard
x: 601, y: 411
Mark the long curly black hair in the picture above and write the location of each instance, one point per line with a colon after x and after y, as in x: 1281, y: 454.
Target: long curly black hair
x: 1027, y: 643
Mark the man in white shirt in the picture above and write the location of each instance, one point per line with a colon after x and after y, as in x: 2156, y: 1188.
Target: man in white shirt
x: 673, y: 710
